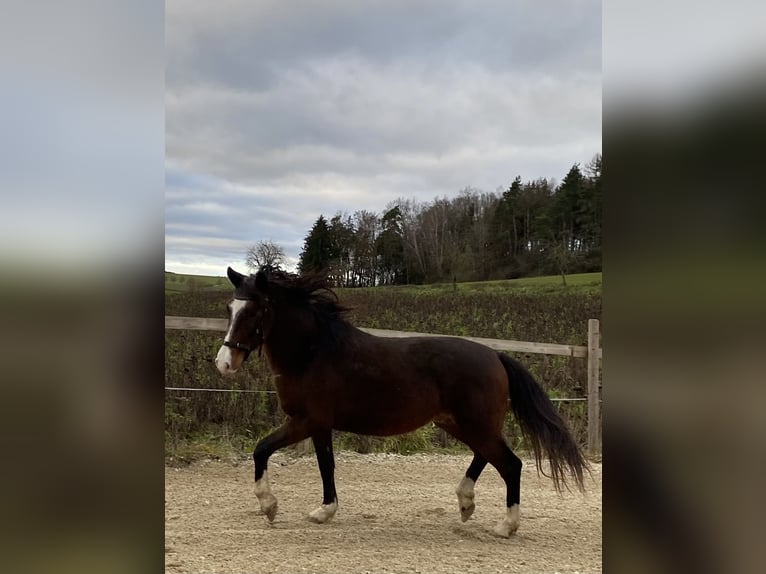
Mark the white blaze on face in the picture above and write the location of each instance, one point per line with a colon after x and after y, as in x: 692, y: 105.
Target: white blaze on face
x: 224, y: 360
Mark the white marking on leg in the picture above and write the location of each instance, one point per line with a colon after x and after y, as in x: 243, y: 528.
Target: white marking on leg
x: 224, y: 360
x: 267, y: 500
x: 324, y: 513
x: 511, y: 522
x: 262, y: 486
x: 465, y: 495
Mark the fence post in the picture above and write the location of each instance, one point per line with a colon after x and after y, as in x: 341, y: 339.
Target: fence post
x: 594, y: 407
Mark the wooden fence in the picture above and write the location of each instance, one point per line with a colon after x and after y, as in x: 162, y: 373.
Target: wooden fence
x: 592, y: 352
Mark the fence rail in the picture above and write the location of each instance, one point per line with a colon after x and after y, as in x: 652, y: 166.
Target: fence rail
x: 208, y: 324
x: 592, y: 352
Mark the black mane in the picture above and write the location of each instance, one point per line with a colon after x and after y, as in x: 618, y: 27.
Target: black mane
x: 314, y: 291
x: 311, y: 288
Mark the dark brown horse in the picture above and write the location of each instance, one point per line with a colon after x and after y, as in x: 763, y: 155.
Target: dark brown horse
x: 330, y: 375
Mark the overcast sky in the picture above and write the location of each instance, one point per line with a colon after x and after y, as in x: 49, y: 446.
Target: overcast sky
x: 277, y: 112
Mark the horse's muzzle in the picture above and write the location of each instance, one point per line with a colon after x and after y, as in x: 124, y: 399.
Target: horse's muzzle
x: 228, y: 361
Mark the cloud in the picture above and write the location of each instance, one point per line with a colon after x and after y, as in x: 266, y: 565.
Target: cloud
x: 278, y: 112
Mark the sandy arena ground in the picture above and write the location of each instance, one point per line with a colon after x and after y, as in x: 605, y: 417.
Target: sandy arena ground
x: 396, y: 514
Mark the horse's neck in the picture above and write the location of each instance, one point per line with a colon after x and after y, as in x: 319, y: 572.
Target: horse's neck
x: 291, y: 340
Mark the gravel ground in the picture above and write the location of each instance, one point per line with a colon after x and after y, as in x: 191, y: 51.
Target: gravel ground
x: 396, y: 514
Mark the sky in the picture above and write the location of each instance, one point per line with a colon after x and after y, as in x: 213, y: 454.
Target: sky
x: 277, y: 112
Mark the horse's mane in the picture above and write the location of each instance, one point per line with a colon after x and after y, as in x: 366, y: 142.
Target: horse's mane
x: 314, y: 291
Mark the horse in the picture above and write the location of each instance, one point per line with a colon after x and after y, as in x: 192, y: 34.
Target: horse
x: 330, y: 375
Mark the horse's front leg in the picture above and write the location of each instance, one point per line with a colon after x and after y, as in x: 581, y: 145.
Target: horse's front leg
x: 323, y: 447
x: 292, y: 431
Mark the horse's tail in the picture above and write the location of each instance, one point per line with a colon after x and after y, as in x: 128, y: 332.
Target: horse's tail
x: 542, y: 426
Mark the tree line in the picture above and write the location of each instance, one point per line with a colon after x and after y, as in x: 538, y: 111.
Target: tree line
x: 531, y: 228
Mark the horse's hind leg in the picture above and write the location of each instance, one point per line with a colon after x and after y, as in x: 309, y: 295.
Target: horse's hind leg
x: 498, y: 454
x: 465, y: 489
x: 489, y: 446
x: 323, y: 447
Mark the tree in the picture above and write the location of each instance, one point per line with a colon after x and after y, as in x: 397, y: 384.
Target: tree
x: 389, y: 247
x: 265, y: 254
x: 566, y: 226
x: 318, y: 250
x: 477, y: 257
x: 414, y: 257
x: 341, y: 235
x: 366, y: 232
x: 434, y: 226
x: 563, y: 258
x: 529, y: 228
x: 509, y: 222
x: 589, y: 215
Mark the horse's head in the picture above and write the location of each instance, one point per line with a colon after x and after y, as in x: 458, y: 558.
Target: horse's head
x: 250, y: 320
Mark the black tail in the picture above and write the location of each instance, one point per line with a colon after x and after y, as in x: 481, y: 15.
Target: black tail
x: 542, y: 426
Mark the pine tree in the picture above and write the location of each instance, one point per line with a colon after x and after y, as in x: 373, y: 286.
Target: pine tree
x: 317, y: 248
x: 589, y: 214
x: 566, y: 225
x: 389, y: 247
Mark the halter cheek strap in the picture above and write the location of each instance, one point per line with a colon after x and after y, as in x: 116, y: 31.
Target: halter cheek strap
x: 258, y: 333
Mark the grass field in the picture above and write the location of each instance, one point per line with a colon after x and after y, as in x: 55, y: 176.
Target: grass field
x: 582, y: 283
x: 182, y: 283
x: 549, y: 284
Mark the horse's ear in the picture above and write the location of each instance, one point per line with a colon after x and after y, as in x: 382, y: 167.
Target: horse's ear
x: 261, y: 281
x: 235, y: 278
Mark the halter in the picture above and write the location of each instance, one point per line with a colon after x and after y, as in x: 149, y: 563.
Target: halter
x: 242, y: 347
x: 258, y: 333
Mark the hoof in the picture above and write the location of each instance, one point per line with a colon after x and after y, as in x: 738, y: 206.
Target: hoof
x: 465, y: 497
x: 269, y: 506
x: 510, y: 524
x: 466, y: 511
x: 323, y: 514
x: 504, y: 530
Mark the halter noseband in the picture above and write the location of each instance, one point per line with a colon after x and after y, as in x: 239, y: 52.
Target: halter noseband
x: 242, y: 347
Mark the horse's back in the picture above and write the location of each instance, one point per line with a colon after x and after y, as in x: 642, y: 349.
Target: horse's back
x: 403, y: 383
x: 462, y: 370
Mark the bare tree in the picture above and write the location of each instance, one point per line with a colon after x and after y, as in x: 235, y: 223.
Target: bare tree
x: 563, y: 258
x: 265, y: 254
